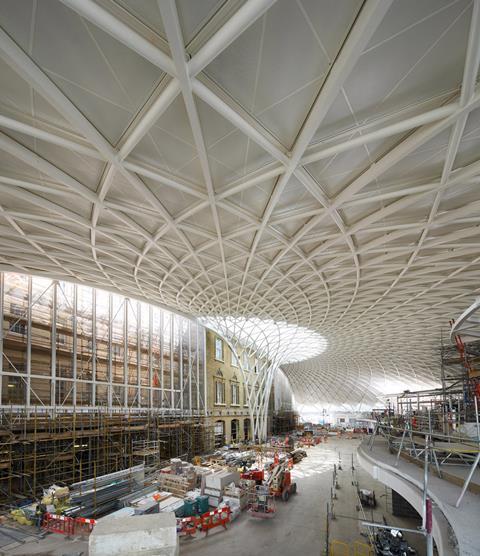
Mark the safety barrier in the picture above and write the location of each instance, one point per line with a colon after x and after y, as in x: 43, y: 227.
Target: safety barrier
x: 188, y: 526
x: 68, y: 526
x: 215, y: 518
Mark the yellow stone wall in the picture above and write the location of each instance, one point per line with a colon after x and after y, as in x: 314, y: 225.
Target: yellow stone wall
x: 229, y: 374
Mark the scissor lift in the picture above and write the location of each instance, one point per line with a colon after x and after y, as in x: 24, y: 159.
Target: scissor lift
x: 261, y: 503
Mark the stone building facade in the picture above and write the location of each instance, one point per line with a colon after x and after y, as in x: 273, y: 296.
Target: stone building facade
x: 227, y: 406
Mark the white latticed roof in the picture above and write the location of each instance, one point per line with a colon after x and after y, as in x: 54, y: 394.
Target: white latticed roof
x: 307, y: 162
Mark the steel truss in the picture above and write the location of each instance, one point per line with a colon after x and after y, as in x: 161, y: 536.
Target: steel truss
x: 323, y: 273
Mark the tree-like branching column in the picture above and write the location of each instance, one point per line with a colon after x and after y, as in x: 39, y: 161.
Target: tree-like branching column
x: 260, y: 347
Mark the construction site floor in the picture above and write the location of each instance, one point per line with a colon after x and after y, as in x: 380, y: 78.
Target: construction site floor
x: 299, y: 526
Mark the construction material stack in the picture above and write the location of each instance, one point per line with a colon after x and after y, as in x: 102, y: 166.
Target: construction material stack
x: 216, y: 483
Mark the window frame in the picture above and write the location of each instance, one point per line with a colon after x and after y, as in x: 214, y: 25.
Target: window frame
x: 19, y: 327
x: 61, y: 339
x: 235, y: 387
x: 219, y: 342
x: 219, y: 388
x: 117, y: 350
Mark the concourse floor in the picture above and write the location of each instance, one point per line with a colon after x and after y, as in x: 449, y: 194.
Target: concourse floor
x: 299, y: 526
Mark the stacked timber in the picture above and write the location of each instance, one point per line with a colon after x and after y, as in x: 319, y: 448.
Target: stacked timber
x: 178, y: 485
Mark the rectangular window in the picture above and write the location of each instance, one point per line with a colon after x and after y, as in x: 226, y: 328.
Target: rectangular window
x: 218, y: 349
x: 219, y: 392
x: 17, y: 310
x: 61, y: 339
x: 233, y: 360
x: 235, y: 393
x: 116, y: 350
x: 19, y: 328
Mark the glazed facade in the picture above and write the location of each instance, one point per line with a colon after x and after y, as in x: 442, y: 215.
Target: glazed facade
x: 72, y: 346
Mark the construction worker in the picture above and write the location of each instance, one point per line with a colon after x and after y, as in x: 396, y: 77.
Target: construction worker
x: 414, y: 422
x: 40, y: 512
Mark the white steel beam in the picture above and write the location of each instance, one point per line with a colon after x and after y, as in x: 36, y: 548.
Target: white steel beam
x: 372, y: 13
x: 171, y: 22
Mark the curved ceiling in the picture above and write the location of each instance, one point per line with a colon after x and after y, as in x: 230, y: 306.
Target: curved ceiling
x: 314, y: 162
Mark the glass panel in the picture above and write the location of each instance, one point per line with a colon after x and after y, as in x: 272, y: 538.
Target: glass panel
x: 185, y: 332
x: 101, y: 395
x: 144, y: 397
x: 84, y: 332
x: 40, y: 391
x: 64, y: 392
x: 133, y: 398
x: 15, y: 328
x: 84, y: 393
x: 157, y: 399
x: 42, y: 319
x: 144, y: 345
x: 176, y: 399
x: 201, y: 365
x: 13, y: 390
x: 176, y: 353
x: 65, y: 332
x: 167, y: 399
x: 132, y: 355
x: 193, y: 364
x: 118, y: 393
x: 102, y: 334
x: 167, y: 350
x: 118, y: 339
x: 218, y: 349
x: 156, y: 366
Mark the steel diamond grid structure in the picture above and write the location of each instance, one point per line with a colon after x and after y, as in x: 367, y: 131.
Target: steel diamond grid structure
x: 302, y: 161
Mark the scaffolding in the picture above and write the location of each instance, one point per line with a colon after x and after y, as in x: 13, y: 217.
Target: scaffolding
x: 45, y: 447
x: 452, y: 405
x: 284, y: 422
x: 461, y: 375
x: 418, y: 438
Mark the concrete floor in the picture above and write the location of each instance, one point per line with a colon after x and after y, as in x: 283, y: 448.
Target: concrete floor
x: 299, y: 525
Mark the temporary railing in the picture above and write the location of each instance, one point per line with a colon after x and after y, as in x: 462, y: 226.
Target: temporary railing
x: 414, y: 437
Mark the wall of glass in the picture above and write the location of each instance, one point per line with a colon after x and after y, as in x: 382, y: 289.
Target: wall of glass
x: 67, y: 345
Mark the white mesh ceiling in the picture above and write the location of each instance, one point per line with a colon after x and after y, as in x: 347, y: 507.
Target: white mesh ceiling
x: 310, y: 161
